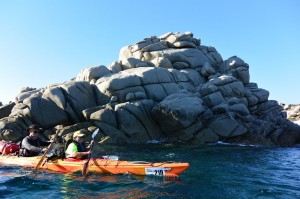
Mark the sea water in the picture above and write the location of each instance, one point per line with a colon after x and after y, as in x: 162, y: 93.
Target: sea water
x: 216, y: 171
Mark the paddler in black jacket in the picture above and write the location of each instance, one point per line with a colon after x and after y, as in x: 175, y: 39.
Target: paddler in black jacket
x: 32, y: 145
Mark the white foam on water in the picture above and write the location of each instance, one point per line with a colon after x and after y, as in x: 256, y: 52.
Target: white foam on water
x: 232, y: 144
x: 157, y: 141
x: 171, y: 155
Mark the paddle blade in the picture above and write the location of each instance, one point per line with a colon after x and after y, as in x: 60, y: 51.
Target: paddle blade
x: 95, y: 133
x: 85, y: 170
x: 39, y: 163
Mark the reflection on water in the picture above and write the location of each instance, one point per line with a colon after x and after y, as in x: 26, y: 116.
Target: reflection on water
x: 16, y: 182
x: 114, y: 186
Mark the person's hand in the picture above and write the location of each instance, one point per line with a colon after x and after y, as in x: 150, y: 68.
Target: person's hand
x: 53, y: 139
x: 90, y: 144
x: 44, y: 150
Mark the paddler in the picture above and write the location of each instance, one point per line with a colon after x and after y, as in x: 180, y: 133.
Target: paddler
x: 76, y: 149
x: 32, y: 145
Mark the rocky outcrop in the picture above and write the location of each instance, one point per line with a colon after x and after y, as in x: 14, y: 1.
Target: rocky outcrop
x: 292, y: 111
x: 162, y: 88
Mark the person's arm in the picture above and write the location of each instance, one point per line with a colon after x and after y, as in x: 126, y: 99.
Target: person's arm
x: 81, y: 154
x: 28, y: 146
x: 43, y: 143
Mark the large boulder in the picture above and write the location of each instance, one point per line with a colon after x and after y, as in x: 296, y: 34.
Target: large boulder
x: 79, y: 96
x: 45, y: 112
x: 27, y: 92
x: 171, y: 50
x: 179, y: 115
x: 6, y: 109
x: 144, y: 83
x: 290, y: 136
x: 14, y: 128
x: 135, y: 120
x: 92, y: 73
x: 225, y: 126
x: 237, y: 68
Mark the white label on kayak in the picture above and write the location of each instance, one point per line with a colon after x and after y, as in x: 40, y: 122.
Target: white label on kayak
x: 157, y: 171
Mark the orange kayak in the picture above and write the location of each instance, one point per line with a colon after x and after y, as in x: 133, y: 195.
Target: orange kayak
x: 100, y: 165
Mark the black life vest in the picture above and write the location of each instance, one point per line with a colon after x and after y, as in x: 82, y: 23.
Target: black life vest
x: 80, y: 147
x: 26, y: 152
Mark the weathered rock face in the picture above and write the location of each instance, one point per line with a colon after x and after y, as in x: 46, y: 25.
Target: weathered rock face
x: 169, y: 87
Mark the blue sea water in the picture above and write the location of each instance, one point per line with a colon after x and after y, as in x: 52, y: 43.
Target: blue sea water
x: 216, y: 171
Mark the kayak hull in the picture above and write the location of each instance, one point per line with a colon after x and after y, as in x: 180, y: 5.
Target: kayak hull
x: 99, y: 165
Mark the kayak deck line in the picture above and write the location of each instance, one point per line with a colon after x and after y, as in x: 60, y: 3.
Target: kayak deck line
x: 100, y: 165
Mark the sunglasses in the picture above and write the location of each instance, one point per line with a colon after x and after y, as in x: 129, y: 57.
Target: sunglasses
x: 35, y: 131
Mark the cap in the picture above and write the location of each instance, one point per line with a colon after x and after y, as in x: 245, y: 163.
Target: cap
x: 78, y: 134
x: 34, y: 127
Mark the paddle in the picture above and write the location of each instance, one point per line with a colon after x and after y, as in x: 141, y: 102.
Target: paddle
x: 44, y: 155
x: 86, y: 165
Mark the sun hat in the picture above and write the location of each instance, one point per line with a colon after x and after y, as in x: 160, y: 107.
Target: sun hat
x: 34, y: 127
x: 78, y: 134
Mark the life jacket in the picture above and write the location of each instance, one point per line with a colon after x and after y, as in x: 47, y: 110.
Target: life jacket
x: 69, y: 141
x: 80, y: 147
x: 8, y: 147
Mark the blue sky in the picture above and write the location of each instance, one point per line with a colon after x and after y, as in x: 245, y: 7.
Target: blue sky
x: 50, y: 41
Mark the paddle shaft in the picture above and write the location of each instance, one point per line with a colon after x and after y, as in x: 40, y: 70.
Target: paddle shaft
x: 44, y: 155
x: 86, y: 165
x: 84, y: 170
